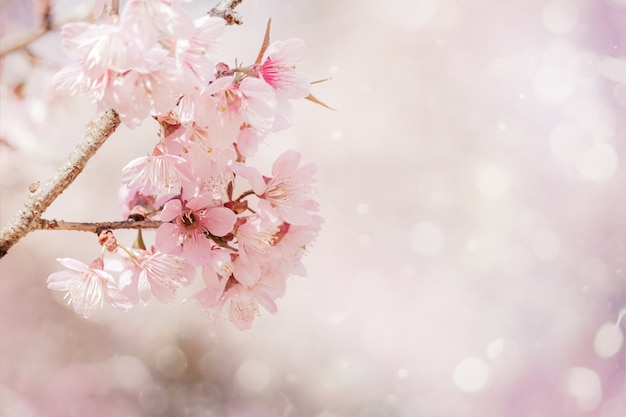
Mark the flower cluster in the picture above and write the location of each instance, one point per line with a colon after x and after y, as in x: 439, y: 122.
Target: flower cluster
x: 243, y: 231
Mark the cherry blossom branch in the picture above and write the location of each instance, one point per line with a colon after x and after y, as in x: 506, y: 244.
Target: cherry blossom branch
x: 45, y: 224
x: 226, y: 10
x: 41, y: 197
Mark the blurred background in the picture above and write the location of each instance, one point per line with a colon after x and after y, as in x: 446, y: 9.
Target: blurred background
x: 472, y: 261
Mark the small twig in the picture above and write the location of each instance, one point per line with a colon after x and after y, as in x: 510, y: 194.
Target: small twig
x: 45, y: 224
x: 226, y: 10
x: 22, y: 40
x: 244, y: 195
x: 114, y: 8
x: 39, y: 200
x: 13, y: 43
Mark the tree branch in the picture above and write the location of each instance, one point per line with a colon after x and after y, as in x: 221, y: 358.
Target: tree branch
x: 22, y: 40
x: 44, y: 224
x: 16, y: 42
x: 41, y: 197
x: 226, y: 10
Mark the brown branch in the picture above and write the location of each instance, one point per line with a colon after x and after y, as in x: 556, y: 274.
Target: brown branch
x: 226, y: 10
x: 44, y: 224
x: 41, y: 197
x: 114, y: 8
x: 17, y: 42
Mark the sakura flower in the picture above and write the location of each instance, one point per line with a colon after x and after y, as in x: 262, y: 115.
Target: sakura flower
x: 154, y: 273
x: 278, y: 68
x: 209, y: 150
x: 248, y: 141
x: 100, y: 47
x: 100, y: 52
x: 160, y: 173
x: 191, y: 225
x: 288, y: 193
x: 251, y: 101
x: 290, y: 189
x: 151, y: 87
x: 291, y: 243
x: 243, y: 303
x: 147, y: 19
x: 117, y: 70
x: 87, y: 286
x: 255, y: 238
x: 196, y: 54
x: 215, y: 274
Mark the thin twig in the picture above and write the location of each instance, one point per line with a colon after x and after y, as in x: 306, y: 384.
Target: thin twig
x: 45, y: 224
x: 19, y: 41
x: 226, y: 10
x: 39, y: 200
x: 15, y: 43
x: 114, y: 8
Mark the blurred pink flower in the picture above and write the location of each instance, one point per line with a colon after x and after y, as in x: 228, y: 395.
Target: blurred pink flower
x: 196, y: 54
x: 87, y: 286
x: 243, y: 303
x: 148, y: 19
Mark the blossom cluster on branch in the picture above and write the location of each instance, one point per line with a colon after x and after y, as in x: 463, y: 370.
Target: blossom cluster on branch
x: 242, y: 230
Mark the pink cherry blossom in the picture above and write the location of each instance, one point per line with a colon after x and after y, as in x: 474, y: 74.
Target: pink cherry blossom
x: 251, y: 101
x: 160, y: 173
x: 255, y: 238
x: 215, y: 274
x: 151, y: 87
x: 291, y: 244
x: 154, y: 273
x: 242, y: 303
x: 278, y: 68
x: 197, y: 54
x: 209, y: 150
x: 288, y: 193
x: 187, y: 234
x: 248, y: 141
x: 101, y: 47
x: 87, y: 286
x: 148, y: 19
x: 290, y: 189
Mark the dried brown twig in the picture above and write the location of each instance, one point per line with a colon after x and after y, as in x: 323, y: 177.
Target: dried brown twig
x: 226, y: 10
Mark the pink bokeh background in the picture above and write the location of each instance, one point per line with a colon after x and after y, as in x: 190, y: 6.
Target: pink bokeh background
x: 472, y: 261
